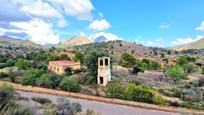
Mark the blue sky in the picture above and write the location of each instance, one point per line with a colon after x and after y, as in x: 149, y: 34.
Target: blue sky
x: 163, y: 23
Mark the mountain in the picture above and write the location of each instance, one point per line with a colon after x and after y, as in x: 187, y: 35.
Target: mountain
x: 100, y: 39
x: 74, y: 41
x: 199, y: 44
x: 11, y: 42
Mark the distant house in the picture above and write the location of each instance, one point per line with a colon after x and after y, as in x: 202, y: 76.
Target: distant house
x: 62, y: 66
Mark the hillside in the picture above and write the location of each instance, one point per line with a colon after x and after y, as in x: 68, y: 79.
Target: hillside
x: 74, y: 41
x: 116, y: 48
x: 10, y: 42
x: 195, y: 45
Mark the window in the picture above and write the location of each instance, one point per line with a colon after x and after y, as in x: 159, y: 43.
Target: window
x: 101, y: 80
x: 54, y: 68
x: 101, y: 62
x: 106, y: 62
x: 58, y: 69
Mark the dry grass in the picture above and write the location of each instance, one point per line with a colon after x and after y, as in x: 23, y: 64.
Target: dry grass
x: 101, y: 99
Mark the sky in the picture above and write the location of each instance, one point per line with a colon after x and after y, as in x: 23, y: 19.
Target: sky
x: 160, y: 23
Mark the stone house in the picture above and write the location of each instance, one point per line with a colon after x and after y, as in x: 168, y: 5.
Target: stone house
x: 61, y: 66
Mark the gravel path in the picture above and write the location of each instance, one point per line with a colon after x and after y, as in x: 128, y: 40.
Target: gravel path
x: 103, y: 108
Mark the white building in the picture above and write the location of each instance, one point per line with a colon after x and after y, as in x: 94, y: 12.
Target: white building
x: 104, y: 71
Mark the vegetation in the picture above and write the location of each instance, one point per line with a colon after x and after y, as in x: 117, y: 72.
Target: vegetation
x: 67, y: 108
x: 175, y: 72
x: 133, y: 92
x: 91, y: 62
x: 70, y: 84
x: 115, y: 90
x: 127, y: 60
x: 23, y: 64
x: 31, y: 76
x: 41, y: 100
x: 49, y: 80
x: 7, y: 105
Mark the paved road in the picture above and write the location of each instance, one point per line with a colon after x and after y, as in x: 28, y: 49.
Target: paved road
x: 102, y: 108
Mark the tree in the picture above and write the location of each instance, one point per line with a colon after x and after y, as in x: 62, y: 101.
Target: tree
x: 49, y: 80
x: 91, y: 62
x: 78, y: 56
x: 70, y: 84
x: 127, y: 60
x: 137, y: 69
x: 23, y: 64
x: 182, y: 61
x: 176, y: 72
x: 31, y: 76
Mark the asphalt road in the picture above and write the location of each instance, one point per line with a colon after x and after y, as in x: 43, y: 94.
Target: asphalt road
x: 102, y: 108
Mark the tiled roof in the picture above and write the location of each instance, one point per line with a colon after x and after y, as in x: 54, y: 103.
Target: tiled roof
x: 63, y: 63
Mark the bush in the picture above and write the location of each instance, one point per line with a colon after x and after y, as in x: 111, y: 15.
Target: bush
x: 67, y: 108
x: 142, y: 93
x: 31, y: 76
x: 6, y: 95
x: 127, y: 60
x: 70, y: 84
x: 115, y: 90
x: 41, y: 100
x: 137, y: 69
x: 176, y: 72
x: 49, y: 80
x: 17, y: 110
x: 23, y: 64
x: 189, y: 68
x: 203, y: 70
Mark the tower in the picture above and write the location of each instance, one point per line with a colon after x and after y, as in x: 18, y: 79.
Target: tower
x: 104, y: 71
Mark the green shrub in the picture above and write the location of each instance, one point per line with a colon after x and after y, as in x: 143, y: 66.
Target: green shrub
x: 70, y: 84
x: 23, y: 64
x: 6, y: 94
x: 31, y: 76
x: 49, y: 80
x: 189, y: 68
x: 41, y: 100
x: 17, y: 110
x: 65, y: 107
x: 115, y: 90
x: 142, y: 93
x: 176, y: 72
x: 127, y: 60
x: 202, y: 69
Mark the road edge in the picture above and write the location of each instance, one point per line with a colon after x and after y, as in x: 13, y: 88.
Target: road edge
x: 101, y: 99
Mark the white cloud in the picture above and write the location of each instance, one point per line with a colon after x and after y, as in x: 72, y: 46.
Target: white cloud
x: 1, y: 32
x: 40, y: 9
x: 39, y: 31
x: 159, y: 40
x: 43, y: 10
x: 82, y: 9
x: 108, y: 36
x: 201, y: 27
x: 182, y: 41
x: 99, y: 25
x: 163, y: 26
x: 82, y: 34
